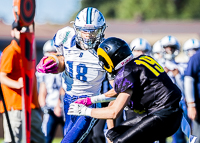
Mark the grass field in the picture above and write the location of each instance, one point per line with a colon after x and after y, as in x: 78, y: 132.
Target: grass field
x: 56, y: 140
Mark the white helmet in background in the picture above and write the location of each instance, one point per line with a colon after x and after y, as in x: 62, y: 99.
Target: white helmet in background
x: 140, y: 44
x: 90, y: 20
x: 48, y: 47
x: 191, y: 46
x: 157, y: 50
x: 170, y: 41
x: 157, y: 47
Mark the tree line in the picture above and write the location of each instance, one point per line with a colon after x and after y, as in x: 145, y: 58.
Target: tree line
x: 146, y: 9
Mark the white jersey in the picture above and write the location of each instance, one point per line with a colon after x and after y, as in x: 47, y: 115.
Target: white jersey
x: 53, y: 84
x: 178, y: 79
x: 83, y: 75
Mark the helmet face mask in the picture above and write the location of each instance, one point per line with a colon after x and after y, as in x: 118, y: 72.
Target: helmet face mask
x: 171, y: 46
x: 89, y: 27
x: 105, y: 65
x: 190, y: 52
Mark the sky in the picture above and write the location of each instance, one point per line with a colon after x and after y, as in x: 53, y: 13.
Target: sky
x: 47, y: 11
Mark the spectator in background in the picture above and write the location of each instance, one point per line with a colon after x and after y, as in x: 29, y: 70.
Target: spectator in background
x: 50, y: 92
x: 192, y: 84
x: 12, y: 83
x: 176, y: 72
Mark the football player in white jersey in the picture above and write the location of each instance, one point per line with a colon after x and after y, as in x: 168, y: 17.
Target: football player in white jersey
x: 190, y: 47
x: 171, y: 50
x: 76, y: 58
x: 50, y: 92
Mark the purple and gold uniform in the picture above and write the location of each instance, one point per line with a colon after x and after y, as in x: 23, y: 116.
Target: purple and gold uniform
x: 154, y: 95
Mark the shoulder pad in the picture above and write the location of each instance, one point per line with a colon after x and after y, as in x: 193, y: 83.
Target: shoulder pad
x: 63, y: 35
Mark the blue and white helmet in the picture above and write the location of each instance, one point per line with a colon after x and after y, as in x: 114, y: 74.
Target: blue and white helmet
x: 190, y: 46
x: 48, y: 47
x: 90, y: 20
x: 170, y: 41
x: 140, y: 44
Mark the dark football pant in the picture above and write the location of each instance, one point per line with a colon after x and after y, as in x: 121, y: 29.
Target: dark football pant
x: 147, y: 128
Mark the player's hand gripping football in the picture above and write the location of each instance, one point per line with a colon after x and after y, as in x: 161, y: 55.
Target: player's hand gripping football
x: 49, y: 66
x: 79, y: 110
x: 85, y: 101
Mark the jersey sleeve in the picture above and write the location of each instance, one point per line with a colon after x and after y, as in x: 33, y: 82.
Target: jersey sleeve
x: 123, y: 81
x: 61, y: 37
x: 191, y: 68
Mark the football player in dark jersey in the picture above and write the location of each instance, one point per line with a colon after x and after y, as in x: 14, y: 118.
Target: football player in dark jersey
x: 143, y: 85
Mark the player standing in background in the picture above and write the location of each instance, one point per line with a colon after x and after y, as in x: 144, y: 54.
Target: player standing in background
x: 176, y: 72
x: 191, y: 84
x: 157, y: 52
x: 50, y: 92
x: 140, y: 46
x: 190, y: 47
x: 79, y: 63
x: 143, y: 82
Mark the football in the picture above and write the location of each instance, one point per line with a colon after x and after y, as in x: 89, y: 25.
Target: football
x: 59, y: 59
x: 51, y: 57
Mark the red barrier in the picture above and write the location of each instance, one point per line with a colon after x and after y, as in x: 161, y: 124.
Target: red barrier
x: 27, y: 43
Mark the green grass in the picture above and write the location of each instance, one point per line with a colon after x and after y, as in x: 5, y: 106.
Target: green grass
x: 56, y: 140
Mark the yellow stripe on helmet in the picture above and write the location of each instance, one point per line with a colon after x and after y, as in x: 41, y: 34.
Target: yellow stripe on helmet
x: 101, y: 52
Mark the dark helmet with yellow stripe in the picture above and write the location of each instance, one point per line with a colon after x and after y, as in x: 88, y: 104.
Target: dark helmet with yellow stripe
x: 114, y: 53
